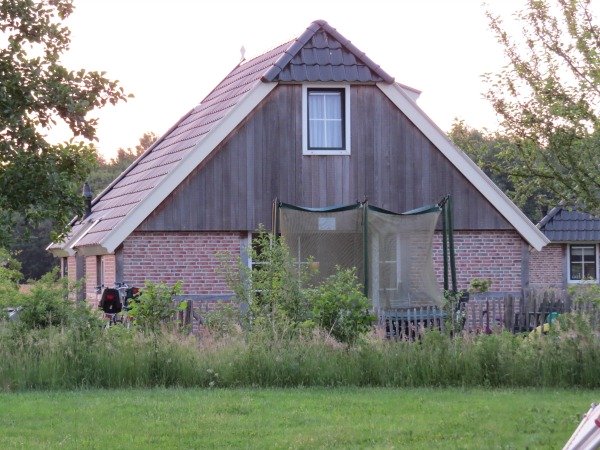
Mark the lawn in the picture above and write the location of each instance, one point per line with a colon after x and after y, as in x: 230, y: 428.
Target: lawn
x: 292, y: 418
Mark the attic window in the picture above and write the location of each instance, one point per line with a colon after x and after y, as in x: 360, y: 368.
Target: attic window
x: 326, y: 121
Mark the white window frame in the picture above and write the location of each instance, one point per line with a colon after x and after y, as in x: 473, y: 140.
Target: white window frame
x: 582, y: 244
x: 325, y: 86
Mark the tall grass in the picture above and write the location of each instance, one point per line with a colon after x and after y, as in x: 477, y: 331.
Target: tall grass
x: 59, y: 358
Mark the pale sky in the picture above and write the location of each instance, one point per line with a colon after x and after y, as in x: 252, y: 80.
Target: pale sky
x: 171, y: 53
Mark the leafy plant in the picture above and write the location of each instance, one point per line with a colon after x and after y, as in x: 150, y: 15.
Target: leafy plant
x: 479, y: 285
x: 585, y: 293
x: 340, y: 307
x: 223, y: 321
x: 455, y: 316
x: 273, y: 288
x: 154, y: 306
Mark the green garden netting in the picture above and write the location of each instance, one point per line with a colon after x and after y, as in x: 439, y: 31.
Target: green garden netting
x: 392, y: 253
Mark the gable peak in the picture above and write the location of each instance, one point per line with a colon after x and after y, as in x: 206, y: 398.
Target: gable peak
x: 322, y: 54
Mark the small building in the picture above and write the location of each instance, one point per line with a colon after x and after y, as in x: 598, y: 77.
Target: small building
x: 314, y: 122
x: 572, y: 255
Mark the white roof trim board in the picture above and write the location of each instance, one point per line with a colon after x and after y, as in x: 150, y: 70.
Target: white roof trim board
x: 213, y: 138
x: 466, y: 166
x: 402, y: 96
x: 395, y: 93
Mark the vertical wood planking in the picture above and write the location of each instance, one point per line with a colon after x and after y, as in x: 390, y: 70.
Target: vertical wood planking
x: 391, y: 162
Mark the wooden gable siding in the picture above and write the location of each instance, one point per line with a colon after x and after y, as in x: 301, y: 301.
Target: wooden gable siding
x: 392, y: 163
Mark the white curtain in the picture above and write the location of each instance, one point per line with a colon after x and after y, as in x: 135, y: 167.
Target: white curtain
x: 325, y: 119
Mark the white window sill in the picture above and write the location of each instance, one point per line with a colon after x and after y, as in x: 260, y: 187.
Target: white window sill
x: 325, y: 152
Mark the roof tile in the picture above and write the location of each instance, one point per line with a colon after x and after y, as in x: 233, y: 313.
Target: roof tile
x: 564, y: 225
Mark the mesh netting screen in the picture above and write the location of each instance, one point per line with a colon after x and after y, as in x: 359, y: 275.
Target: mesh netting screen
x: 330, y: 239
x: 399, y: 272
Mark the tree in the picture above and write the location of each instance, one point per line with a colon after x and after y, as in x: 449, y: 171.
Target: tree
x: 105, y: 172
x: 28, y: 243
x: 548, y: 98
x: 489, y: 151
x: 40, y: 180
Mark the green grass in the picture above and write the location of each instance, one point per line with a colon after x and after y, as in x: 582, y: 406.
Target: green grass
x: 292, y: 418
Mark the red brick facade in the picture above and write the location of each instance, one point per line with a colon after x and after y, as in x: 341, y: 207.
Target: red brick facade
x: 72, y: 269
x: 192, y: 257
x: 495, y: 255
x: 547, y: 268
x: 90, y: 278
x: 107, y: 272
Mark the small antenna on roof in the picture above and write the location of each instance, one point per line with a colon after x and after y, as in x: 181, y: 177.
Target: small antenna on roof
x: 243, y: 54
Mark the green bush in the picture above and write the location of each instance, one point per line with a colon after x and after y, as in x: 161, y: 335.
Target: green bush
x: 340, y: 308
x: 9, y: 282
x: 154, y: 307
x: 223, y: 321
x: 274, y: 289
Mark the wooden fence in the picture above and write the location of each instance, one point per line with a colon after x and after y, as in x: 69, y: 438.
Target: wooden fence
x: 487, y: 313
x: 410, y: 323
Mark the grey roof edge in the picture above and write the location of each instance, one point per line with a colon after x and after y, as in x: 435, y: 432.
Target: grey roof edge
x: 551, y: 214
x: 270, y: 75
x: 409, y: 88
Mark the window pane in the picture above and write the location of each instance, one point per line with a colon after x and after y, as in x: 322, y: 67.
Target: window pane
x: 590, y: 271
x: 333, y: 106
x: 316, y: 106
x: 575, y: 271
x: 583, y: 262
x: 325, y: 119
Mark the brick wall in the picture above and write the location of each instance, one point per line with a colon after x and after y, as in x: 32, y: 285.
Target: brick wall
x: 547, y: 268
x: 109, y: 270
x: 90, y: 278
x: 171, y: 256
x: 72, y: 269
x: 483, y: 254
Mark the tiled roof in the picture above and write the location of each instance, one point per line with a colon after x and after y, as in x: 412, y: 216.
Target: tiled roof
x: 144, y: 174
x: 319, y: 54
x: 570, y: 225
x: 323, y: 54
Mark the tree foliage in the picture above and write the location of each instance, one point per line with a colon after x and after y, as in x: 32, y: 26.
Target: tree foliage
x: 105, y: 171
x: 39, y: 179
x: 548, y: 98
x: 491, y: 151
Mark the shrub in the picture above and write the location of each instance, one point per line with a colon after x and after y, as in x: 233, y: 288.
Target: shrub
x: 154, y: 306
x: 9, y: 278
x: 274, y: 289
x: 340, y: 307
x: 47, y: 303
x: 223, y: 321
x: 585, y: 293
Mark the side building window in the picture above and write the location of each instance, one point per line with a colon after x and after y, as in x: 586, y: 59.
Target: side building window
x: 582, y: 262
x: 326, y: 120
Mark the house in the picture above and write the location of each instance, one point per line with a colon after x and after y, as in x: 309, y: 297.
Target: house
x: 572, y: 255
x: 313, y: 122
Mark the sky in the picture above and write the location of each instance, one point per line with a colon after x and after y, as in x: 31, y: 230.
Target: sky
x: 171, y: 53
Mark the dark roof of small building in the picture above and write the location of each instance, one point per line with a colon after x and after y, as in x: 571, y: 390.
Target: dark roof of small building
x: 564, y: 224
